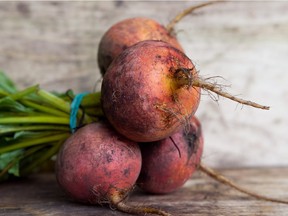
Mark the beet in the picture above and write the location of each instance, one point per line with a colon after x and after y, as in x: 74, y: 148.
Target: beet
x: 96, y: 165
x: 167, y: 164
x: 127, y: 33
x: 145, y: 94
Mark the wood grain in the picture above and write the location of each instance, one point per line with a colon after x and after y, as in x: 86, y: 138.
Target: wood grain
x: 200, y: 196
x: 55, y: 44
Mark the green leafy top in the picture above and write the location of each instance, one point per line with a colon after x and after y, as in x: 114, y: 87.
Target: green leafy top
x: 6, y: 85
x: 34, y: 123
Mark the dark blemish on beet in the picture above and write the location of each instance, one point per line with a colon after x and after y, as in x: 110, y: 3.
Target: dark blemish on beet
x: 83, y: 146
x: 190, y: 138
x: 107, y: 173
x: 109, y: 158
x: 127, y: 172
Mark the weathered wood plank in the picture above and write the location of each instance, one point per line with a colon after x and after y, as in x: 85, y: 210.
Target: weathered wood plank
x: 200, y: 196
x: 55, y: 44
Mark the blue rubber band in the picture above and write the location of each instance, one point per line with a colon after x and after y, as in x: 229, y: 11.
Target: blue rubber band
x: 74, y: 107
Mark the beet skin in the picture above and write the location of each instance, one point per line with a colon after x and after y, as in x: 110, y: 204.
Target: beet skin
x: 144, y: 95
x: 127, y: 33
x: 169, y: 163
x: 96, y: 165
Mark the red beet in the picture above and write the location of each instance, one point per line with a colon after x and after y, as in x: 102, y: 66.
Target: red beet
x: 146, y: 93
x: 169, y: 163
x: 127, y: 33
x: 96, y: 165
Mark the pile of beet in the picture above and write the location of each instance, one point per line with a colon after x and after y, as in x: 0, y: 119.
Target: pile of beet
x: 149, y: 137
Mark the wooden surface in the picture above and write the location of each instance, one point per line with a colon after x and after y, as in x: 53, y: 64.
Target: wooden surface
x: 55, y: 44
x: 39, y: 195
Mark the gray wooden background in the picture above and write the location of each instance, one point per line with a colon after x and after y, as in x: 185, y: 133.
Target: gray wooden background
x: 54, y: 44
